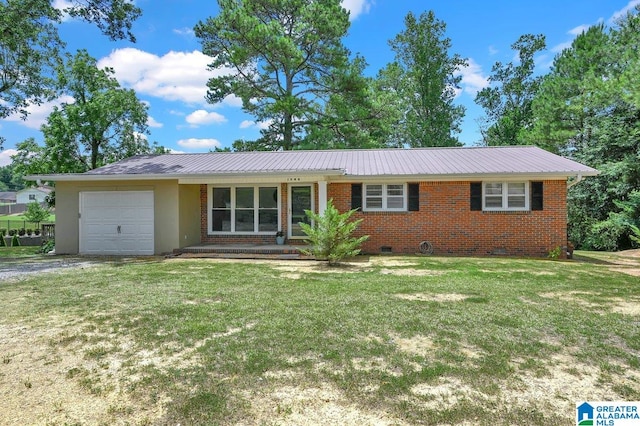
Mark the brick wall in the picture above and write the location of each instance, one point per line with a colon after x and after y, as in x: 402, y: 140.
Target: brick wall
x: 447, y: 222
x: 444, y: 219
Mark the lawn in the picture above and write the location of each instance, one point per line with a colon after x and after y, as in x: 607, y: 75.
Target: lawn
x: 383, y: 340
x: 18, y: 221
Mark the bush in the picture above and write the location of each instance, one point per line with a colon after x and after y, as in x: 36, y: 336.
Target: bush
x: 2, y: 242
x: 22, y: 232
x: 3, y: 232
x: 12, y: 232
x: 47, y: 246
x: 29, y: 231
x: 15, y: 241
x: 331, y: 236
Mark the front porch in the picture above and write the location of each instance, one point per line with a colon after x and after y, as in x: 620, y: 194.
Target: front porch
x: 242, y: 251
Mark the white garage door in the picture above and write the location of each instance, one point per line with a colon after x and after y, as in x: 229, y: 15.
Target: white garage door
x: 116, y: 222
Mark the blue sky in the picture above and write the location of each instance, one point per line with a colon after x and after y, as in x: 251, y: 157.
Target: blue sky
x: 169, y: 72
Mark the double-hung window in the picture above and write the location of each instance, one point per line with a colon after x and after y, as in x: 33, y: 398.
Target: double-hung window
x: 505, y: 196
x: 244, y: 209
x: 385, y: 197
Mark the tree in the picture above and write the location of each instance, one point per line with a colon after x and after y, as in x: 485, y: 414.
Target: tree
x: 286, y: 58
x: 29, y: 48
x: 9, y: 179
x: 36, y: 213
x: 423, y: 77
x: 357, y: 116
x: 585, y: 109
x: 507, y: 102
x: 331, y: 235
x: 104, y: 124
x: 30, y: 45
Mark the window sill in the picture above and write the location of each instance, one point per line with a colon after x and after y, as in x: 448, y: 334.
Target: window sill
x: 515, y: 212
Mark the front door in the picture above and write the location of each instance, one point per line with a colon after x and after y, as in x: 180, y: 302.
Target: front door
x: 300, y: 199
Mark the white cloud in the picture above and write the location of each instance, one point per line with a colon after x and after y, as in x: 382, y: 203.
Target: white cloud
x: 176, y: 76
x: 175, y: 151
x: 578, y: 30
x: 246, y: 124
x: 262, y: 125
x: 61, y: 5
x: 151, y: 122
x: 232, y: 100
x: 5, y: 156
x: 201, y: 117
x: 493, y: 50
x: 38, y: 114
x: 186, y: 31
x: 472, y: 79
x: 622, y: 12
x: 193, y: 143
x: 357, y: 7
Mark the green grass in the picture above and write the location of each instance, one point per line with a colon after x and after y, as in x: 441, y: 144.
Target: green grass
x: 7, y: 253
x: 225, y: 342
x: 9, y: 222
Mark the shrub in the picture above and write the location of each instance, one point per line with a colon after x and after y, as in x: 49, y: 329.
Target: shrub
x: 22, y: 232
x: 15, y: 241
x: 12, y: 232
x: 47, y: 246
x: 36, y: 231
x: 3, y: 232
x: 2, y: 242
x: 331, y: 236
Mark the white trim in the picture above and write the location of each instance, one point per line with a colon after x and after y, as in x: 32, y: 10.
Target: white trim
x: 505, y: 197
x: 289, y: 210
x: 256, y: 208
x: 384, y: 208
x: 322, y: 196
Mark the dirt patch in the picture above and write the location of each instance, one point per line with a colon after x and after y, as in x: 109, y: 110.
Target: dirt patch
x: 410, y: 272
x: 434, y: 297
x: 446, y: 393
x: 37, y: 387
x: 317, y: 405
x: 572, y: 297
x: 629, y: 271
x: 416, y: 345
x: 628, y: 306
x: 565, y: 381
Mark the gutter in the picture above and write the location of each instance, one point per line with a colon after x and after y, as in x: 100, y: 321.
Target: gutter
x: 576, y: 181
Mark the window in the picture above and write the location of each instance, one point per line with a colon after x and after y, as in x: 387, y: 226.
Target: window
x: 385, y: 197
x: 32, y: 197
x: 244, y: 209
x: 505, y: 196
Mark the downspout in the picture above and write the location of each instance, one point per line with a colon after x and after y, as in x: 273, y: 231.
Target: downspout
x: 577, y: 180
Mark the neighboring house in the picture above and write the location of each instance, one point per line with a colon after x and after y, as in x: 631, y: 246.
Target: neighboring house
x: 7, y: 197
x: 31, y: 195
x: 463, y: 201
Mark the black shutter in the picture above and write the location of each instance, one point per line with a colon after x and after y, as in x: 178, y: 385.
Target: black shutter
x: 537, y: 195
x: 356, y: 196
x: 476, y: 196
x: 414, y: 197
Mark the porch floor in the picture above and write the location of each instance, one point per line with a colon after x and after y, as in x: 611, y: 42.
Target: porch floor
x: 242, y: 251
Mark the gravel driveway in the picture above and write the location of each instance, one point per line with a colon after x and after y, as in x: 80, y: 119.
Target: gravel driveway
x: 15, y: 268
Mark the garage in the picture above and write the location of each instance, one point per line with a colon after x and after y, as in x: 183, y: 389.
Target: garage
x: 116, y: 223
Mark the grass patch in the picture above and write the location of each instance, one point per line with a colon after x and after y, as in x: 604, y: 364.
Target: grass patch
x: 445, y: 340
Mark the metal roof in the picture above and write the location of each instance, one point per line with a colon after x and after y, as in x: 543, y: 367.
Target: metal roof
x: 426, y: 161
x: 446, y: 162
